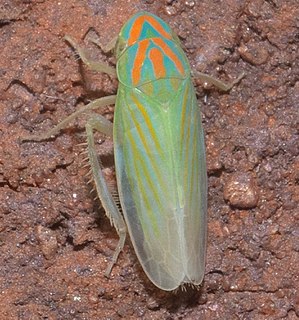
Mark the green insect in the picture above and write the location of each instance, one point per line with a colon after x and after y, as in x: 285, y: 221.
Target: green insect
x: 159, y: 153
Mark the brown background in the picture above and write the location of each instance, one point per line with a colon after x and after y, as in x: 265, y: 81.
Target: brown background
x: 55, y: 241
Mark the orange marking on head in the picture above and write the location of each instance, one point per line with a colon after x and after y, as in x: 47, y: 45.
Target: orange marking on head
x: 160, y: 42
x: 139, y: 60
x: 137, y: 28
x: 156, y: 57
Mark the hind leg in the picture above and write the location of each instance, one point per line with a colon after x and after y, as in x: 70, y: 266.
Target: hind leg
x: 102, y: 125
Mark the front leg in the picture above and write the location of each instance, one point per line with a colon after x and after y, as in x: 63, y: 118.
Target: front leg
x: 93, y: 65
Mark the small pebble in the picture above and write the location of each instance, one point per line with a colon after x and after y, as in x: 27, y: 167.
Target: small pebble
x: 241, y: 191
x: 152, y: 304
x: 48, y: 241
x: 254, y: 53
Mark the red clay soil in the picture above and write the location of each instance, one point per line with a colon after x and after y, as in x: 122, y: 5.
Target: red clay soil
x: 55, y: 241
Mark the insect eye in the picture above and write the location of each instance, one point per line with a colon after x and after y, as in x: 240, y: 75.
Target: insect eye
x: 120, y: 47
x: 175, y: 37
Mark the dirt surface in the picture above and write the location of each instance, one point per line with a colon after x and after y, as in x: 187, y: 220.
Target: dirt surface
x: 55, y: 241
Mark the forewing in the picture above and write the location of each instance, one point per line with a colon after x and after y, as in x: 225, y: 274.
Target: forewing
x: 159, y: 190
x: 194, y: 182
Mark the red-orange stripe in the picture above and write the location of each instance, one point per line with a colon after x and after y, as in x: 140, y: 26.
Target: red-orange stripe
x: 156, y: 57
x: 160, y: 42
x: 139, y: 60
x: 137, y: 28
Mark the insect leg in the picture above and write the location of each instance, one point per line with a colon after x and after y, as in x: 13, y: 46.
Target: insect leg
x: 106, y: 48
x: 101, y: 124
x: 93, y: 65
x: 96, y: 104
x: 216, y: 82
